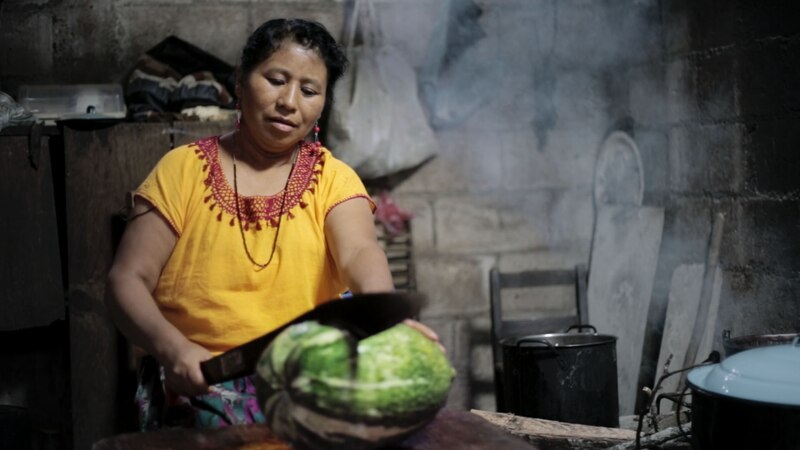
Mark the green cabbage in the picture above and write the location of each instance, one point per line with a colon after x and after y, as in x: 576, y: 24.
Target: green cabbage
x: 320, y: 387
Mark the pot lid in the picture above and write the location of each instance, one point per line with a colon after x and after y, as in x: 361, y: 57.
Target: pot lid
x: 765, y: 374
x: 559, y: 340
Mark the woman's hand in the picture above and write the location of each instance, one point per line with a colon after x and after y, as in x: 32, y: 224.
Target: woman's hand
x: 182, y: 369
x: 425, y: 330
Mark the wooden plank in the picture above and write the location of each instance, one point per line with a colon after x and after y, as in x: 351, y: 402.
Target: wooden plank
x: 24, y: 130
x: 451, y: 429
x: 669, y: 439
x: 552, y: 434
x: 709, y: 275
x: 455, y: 429
x: 580, y: 293
x: 101, y: 165
x: 621, y: 274
x: 684, y: 298
x: 31, y: 286
x: 240, y: 437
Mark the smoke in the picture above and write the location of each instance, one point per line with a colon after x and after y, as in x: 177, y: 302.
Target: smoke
x: 548, y: 80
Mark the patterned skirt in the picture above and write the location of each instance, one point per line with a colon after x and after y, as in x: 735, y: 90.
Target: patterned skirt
x: 230, y: 403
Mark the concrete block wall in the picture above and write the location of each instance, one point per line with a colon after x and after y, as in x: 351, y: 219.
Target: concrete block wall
x: 95, y: 41
x: 730, y: 87
x: 511, y: 186
x: 709, y: 92
x: 733, y: 145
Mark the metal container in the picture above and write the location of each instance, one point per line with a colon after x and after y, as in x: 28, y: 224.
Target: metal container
x: 750, y: 400
x: 568, y: 377
x: 737, y: 344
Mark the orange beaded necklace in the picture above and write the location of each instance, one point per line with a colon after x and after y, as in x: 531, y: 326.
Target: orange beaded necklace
x: 280, y: 213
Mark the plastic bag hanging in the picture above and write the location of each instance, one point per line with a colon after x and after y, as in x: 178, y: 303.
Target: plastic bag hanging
x: 377, y: 124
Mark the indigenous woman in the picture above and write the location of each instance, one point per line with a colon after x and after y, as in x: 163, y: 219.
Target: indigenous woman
x: 234, y: 235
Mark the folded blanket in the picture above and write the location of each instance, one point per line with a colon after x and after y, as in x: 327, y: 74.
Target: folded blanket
x: 156, y: 91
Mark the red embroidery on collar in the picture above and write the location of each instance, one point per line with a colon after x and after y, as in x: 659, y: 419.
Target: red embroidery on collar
x: 256, y: 209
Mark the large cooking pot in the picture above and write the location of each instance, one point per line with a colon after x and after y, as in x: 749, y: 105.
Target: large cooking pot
x: 733, y: 345
x: 569, y: 377
x: 749, y: 400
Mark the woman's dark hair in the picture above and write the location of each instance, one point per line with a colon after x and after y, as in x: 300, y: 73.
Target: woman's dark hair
x: 268, y: 37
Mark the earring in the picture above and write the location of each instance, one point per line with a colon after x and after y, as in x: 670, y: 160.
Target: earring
x: 317, y: 143
x: 238, y: 115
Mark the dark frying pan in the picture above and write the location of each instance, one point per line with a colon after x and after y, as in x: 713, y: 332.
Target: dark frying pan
x: 363, y: 315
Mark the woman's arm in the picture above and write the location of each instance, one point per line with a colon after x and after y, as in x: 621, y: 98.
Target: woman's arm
x: 143, y: 251
x: 350, y: 231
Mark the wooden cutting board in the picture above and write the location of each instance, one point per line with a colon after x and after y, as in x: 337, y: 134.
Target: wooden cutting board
x: 621, y: 274
x: 452, y: 429
x: 624, y: 254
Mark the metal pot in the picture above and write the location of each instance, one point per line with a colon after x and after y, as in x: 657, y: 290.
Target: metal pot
x: 740, y: 343
x: 749, y: 400
x: 569, y: 377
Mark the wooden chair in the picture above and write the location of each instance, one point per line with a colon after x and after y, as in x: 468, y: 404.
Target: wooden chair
x: 501, y: 328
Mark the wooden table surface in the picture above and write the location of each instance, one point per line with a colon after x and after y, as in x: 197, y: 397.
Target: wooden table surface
x: 452, y: 429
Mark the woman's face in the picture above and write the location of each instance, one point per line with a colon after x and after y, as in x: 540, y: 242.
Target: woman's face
x: 283, y: 96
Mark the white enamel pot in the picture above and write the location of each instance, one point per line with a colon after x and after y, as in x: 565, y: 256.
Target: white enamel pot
x: 749, y: 400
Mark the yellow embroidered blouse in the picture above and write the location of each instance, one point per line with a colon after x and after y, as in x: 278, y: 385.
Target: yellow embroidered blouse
x: 209, y: 289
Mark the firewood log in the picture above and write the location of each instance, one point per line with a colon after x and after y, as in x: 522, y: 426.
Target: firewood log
x: 554, y: 435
